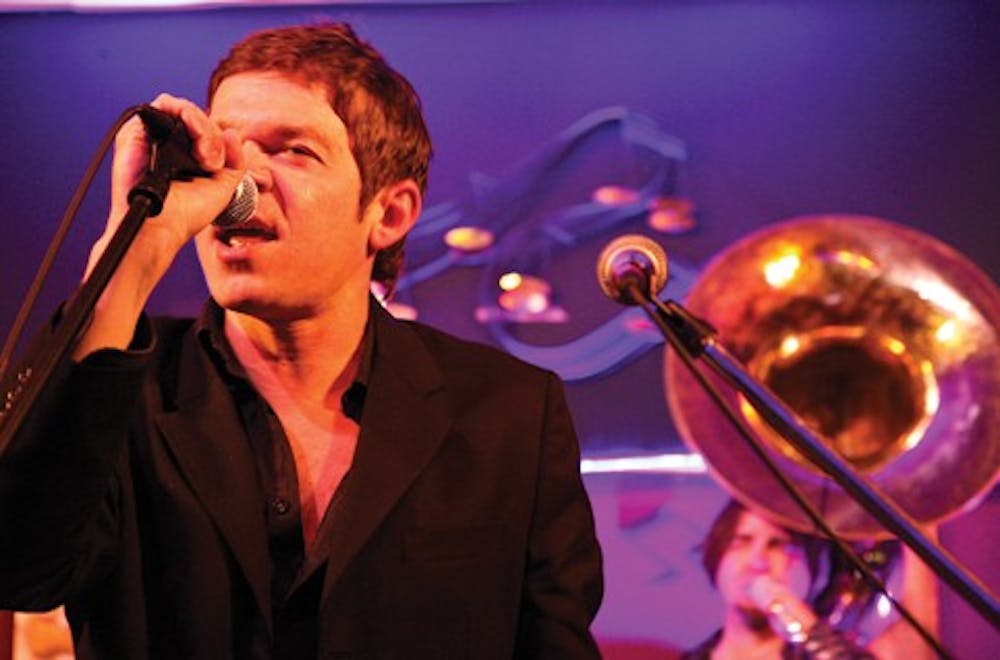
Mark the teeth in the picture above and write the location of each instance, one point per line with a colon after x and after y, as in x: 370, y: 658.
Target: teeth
x: 239, y: 239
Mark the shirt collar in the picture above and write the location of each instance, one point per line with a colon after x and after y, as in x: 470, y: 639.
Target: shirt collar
x: 210, y: 332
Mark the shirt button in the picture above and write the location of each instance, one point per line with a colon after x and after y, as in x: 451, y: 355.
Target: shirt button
x: 280, y: 505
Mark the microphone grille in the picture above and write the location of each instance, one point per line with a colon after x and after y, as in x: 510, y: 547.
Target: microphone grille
x: 243, y: 204
x: 631, y: 254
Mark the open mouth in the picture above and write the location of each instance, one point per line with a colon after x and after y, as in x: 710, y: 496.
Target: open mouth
x: 245, y: 235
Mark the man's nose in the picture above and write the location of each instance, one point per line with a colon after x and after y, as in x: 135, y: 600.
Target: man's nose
x: 257, y: 165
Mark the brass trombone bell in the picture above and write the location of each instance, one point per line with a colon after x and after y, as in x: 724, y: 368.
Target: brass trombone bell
x: 883, y: 340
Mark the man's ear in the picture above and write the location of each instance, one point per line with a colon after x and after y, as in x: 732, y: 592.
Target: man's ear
x: 396, y: 207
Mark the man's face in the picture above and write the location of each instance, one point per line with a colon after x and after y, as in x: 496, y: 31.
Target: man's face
x: 307, y: 246
x: 760, y: 548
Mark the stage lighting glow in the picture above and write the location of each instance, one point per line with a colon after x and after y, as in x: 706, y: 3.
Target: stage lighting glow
x: 663, y: 463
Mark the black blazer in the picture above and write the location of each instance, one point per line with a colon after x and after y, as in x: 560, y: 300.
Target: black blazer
x: 461, y: 531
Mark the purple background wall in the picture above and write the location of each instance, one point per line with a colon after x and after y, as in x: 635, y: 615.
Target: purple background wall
x: 787, y: 108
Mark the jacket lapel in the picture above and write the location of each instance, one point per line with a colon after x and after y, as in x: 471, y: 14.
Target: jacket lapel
x: 403, y: 424
x: 205, y: 435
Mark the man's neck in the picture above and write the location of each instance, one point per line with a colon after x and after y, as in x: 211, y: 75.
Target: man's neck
x: 302, y: 370
x: 308, y: 357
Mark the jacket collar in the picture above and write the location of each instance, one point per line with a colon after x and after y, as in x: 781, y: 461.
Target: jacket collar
x: 404, y: 420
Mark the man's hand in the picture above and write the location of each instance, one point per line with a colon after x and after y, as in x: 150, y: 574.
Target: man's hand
x: 190, y: 206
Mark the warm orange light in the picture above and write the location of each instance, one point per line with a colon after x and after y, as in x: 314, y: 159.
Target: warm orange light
x: 468, y: 239
x: 849, y: 258
x: 615, y: 195
x: 524, y: 294
x: 790, y: 345
x: 671, y: 215
x: 947, y: 332
x: 895, y: 346
x: 780, y: 271
x: 510, y: 281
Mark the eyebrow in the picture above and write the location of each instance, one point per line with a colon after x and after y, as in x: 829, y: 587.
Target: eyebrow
x: 295, y: 132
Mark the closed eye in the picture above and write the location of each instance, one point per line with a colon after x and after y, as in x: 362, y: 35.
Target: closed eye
x: 302, y: 150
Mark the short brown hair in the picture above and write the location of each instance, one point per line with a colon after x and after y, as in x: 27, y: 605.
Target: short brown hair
x: 381, y: 110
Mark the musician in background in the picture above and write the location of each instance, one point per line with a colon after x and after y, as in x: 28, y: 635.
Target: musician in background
x: 758, y: 566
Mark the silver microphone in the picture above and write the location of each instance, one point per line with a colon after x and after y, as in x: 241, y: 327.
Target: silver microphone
x: 242, y: 206
x: 632, y: 260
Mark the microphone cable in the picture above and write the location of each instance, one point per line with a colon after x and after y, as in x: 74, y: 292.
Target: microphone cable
x: 65, y: 223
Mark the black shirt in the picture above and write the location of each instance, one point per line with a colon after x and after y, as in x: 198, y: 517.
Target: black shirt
x: 296, y: 577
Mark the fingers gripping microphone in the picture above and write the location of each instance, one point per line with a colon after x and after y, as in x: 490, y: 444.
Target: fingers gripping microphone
x: 630, y: 261
x: 789, y: 617
x: 173, y: 142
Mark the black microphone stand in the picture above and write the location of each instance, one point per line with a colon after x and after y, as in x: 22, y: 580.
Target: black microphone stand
x: 47, y: 360
x: 692, y: 336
